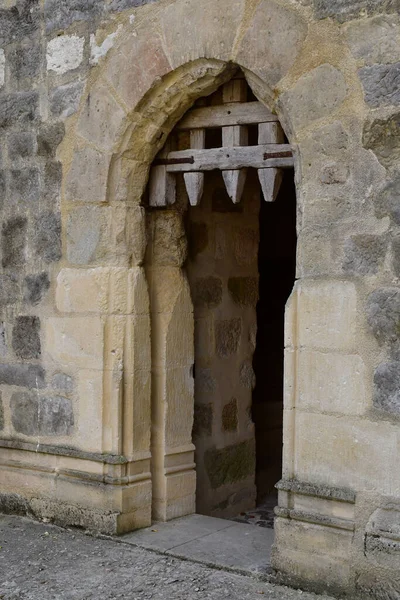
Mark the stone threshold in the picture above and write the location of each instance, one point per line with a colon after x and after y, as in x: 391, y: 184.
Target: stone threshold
x: 216, y: 543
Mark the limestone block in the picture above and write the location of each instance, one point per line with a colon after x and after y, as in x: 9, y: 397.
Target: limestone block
x: 89, y: 419
x: 143, y: 62
x: 102, y: 119
x: 135, y: 235
x: 316, y: 95
x: 187, y: 38
x: 138, y: 292
x: 168, y: 288
x: 173, y: 338
x: 331, y: 382
x: 64, y: 53
x: 181, y: 495
x: 375, y: 40
x: 179, y: 392
x: 169, y: 245
x: 347, y: 452
x: 322, y: 314
x: 262, y: 51
x: 86, y: 180
x: 75, y: 341
x: 82, y: 290
x: 137, y: 422
x: 88, y: 234
x: 137, y: 344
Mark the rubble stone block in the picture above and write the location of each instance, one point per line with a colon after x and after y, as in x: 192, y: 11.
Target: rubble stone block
x: 381, y: 84
x: 244, y: 290
x: 64, y: 53
x: 387, y: 387
x: 24, y: 186
x: 203, y: 419
x: 315, y: 95
x: 9, y: 289
x: 64, y: 100
x: 227, y: 336
x: 382, y: 136
x: 26, y: 337
x: 230, y: 464
x: 36, y: 287
x: 48, y: 237
x: 49, y: 138
x: 21, y: 107
x: 230, y: 416
x: 207, y: 291
x: 39, y: 415
x: 14, y: 242
x: 364, y: 254
x: 21, y: 145
x: 22, y: 375
x: 383, y: 314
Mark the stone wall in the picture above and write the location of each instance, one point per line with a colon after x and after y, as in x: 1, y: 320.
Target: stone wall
x: 89, y: 91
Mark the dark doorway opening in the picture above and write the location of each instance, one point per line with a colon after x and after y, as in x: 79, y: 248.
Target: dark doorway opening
x: 277, y: 268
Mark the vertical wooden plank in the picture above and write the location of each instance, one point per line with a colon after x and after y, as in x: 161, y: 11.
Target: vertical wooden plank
x: 237, y: 135
x: 195, y: 181
x: 162, y: 184
x: 271, y: 178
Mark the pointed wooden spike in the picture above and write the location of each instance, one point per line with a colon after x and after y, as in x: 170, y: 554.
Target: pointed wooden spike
x: 270, y: 180
x: 194, y: 186
x: 234, y: 183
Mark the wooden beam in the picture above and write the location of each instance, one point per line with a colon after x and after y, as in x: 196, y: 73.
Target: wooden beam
x: 235, y: 113
x: 258, y: 157
x: 194, y: 182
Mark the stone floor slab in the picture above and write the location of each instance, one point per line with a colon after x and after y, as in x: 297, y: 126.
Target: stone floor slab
x: 165, y: 536
x: 239, y: 546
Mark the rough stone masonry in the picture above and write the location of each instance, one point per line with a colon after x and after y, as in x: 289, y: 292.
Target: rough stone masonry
x: 91, y: 362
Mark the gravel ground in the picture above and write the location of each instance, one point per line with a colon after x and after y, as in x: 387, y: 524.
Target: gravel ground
x: 44, y: 562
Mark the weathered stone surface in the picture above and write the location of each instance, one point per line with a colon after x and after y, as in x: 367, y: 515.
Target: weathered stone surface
x: 387, y: 387
x: 1, y: 414
x: 63, y: 382
x: 245, y: 245
x: 52, y: 183
x: 375, y: 40
x: 3, y: 340
x: 203, y: 419
x: 169, y: 239
x: 85, y: 229
x: 207, y: 291
x: 64, y: 53
x: 230, y: 464
x: 48, y: 236
x: 383, y: 312
x: 24, y: 186
x: 331, y: 138
x: 227, y: 336
x: 60, y: 16
x: 197, y: 238
x: 49, y: 138
x: 204, y: 381
x: 29, y: 376
x: 315, y: 95
x: 344, y: 10
x: 21, y: 107
x: 9, y: 289
x: 396, y: 255
x: 25, y: 61
x: 64, y: 100
x: 21, y: 19
x: 334, y: 174
x: 87, y: 177
x: 381, y: 84
x: 35, y: 288
x: 13, y: 242
x: 26, y: 337
x: 262, y: 50
x: 382, y: 136
x: 21, y: 145
x: 230, y: 416
x: 33, y: 415
x: 247, y: 377
x: 243, y: 290
x: 364, y: 254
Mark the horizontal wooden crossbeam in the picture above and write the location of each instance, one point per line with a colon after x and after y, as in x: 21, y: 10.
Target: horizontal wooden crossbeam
x: 227, y: 115
x: 238, y: 157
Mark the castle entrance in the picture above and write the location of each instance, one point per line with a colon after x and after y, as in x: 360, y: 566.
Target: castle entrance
x: 222, y: 206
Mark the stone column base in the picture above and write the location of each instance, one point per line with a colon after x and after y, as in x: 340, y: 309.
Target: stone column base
x: 108, y: 494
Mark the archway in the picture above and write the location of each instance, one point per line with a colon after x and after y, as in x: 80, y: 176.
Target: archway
x: 204, y: 230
